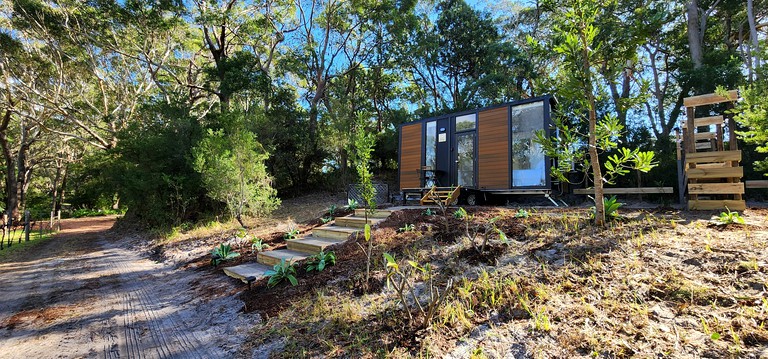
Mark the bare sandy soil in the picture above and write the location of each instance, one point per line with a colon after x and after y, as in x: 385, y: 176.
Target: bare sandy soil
x: 84, y: 294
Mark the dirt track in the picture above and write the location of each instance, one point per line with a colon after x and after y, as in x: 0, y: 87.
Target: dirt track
x: 83, y: 294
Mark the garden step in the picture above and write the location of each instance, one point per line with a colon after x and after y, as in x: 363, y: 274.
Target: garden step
x: 270, y: 258
x: 356, y: 222
x: 334, y: 232
x: 379, y: 213
x: 247, y: 272
x: 311, y: 244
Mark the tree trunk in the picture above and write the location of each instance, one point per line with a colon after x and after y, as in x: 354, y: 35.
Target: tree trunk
x: 11, y: 184
x: 62, y: 190
x: 695, y: 35
x: 753, y: 33
x: 22, y: 178
x: 55, y: 191
x: 593, y: 155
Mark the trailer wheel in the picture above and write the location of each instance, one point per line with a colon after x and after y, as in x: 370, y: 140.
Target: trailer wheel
x: 472, y: 199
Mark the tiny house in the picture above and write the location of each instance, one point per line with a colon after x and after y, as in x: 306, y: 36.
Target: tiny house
x: 485, y: 152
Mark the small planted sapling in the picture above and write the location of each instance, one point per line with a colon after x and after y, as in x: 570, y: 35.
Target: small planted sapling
x: 293, y: 233
x: 319, y: 261
x: 460, y: 213
x: 363, y: 145
x: 730, y: 217
x: 222, y: 253
x: 280, y: 272
x: 352, y: 204
x: 611, y: 206
x: 258, y: 245
x: 522, y: 213
x: 402, y: 280
x: 484, y: 230
x: 407, y: 228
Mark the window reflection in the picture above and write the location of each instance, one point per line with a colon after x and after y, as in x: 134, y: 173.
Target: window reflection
x: 466, y: 122
x: 465, y: 156
x: 528, y: 161
x: 430, y: 156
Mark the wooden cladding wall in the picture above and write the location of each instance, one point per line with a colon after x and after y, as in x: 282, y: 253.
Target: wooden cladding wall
x: 493, y: 149
x: 410, y: 156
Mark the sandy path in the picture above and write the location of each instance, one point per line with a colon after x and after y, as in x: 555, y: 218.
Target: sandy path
x: 84, y: 295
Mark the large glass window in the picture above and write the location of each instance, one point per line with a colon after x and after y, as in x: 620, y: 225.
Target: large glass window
x: 466, y: 122
x: 528, y: 160
x: 465, y: 159
x: 430, y: 154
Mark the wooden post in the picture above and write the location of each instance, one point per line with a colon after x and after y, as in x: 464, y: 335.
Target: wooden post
x: 733, y: 143
x: 7, y: 228
x: 58, y: 220
x: 2, y: 240
x: 50, y: 226
x: 690, y: 139
x: 26, y: 226
x: 680, y: 169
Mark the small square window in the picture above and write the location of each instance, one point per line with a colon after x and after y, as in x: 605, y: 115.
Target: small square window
x: 466, y: 122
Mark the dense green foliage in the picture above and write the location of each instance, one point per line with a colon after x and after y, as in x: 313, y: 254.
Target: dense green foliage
x: 153, y: 106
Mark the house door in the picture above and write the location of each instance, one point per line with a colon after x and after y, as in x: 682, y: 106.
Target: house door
x: 443, y: 158
x: 465, y: 159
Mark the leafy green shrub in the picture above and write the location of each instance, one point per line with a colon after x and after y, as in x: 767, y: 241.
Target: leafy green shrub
x: 332, y: 210
x: 352, y: 204
x: 407, y: 228
x: 428, y: 212
x: 222, y: 253
x: 729, y: 217
x: 281, y: 272
x: 326, y: 219
x: 319, y: 261
x: 232, y: 166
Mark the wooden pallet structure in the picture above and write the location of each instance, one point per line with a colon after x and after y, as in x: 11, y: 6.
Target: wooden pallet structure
x: 709, y: 173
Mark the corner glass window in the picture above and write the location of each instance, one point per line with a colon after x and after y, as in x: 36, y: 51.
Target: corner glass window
x: 528, y: 160
x: 466, y: 122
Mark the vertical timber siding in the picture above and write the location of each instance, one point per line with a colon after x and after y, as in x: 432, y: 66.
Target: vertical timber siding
x: 493, y: 149
x: 410, y: 156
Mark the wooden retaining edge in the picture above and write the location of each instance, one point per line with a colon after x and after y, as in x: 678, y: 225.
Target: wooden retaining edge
x: 756, y: 184
x: 705, y: 205
x: 627, y: 190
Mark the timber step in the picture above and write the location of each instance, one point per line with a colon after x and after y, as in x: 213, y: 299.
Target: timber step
x: 379, y: 213
x: 311, y: 244
x: 334, y: 232
x: 247, y: 272
x: 271, y: 258
x: 356, y: 222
